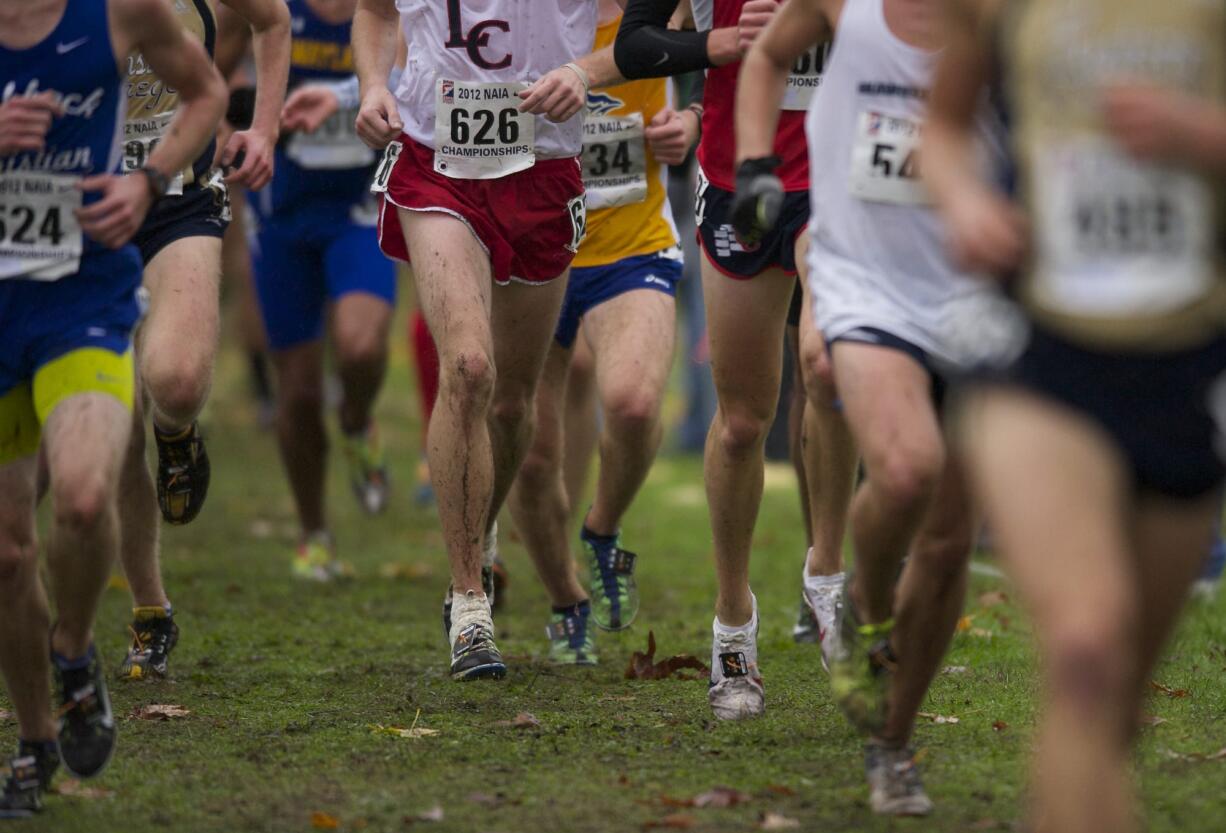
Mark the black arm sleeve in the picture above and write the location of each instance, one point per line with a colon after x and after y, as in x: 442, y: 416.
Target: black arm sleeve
x: 647, y: 48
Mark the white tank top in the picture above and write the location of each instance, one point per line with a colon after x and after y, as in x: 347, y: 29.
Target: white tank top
x: 863, y: 127
x: 470, y: 55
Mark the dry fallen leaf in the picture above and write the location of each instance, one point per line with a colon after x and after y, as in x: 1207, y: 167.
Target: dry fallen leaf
x: 954, y: 669
x: 1196, y: 757
x: 75, y: 789
x: 999, y: 725
x: 434, y: 814
x: 780, y: 789
x: 158, y: 711
x: 324, y: 821
x: 401, y: 732
x: 992, y: 598
x: 408, y: 571
x: 644, y: 667
x: 1167, y: 690
x: 937, y: 718
x: 721, y: 797
x: 1152, y: 720
x: 964, y: 624
x: 777, y: 821
x: 673, y: 821
x: 523, y: 720
x: 982, y: 633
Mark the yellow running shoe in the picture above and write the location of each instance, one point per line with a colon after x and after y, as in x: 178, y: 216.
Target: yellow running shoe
x: 316, y: 559
x: 367, y: 470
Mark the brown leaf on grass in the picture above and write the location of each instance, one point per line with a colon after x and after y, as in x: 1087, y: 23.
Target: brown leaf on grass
x: 777, y: 821
x: 73, y: 788
x: 992, y: 598
x: 982, y: 633
x: 523, y: 720
x: 158, y: 711
x: 1167, y: 690
x: 434, y: 814
x: 324, y: 821
x: 406, y: 571
x: 673, y: 821
x: 939, y: 719
x: 999, y: 725
x: 780, y: 789
x: 644, y: 667
x: 964, y: 624
x: 721, y: 797
x: 954, y: 669
x: 1152, y: 720
x: 1196, y: 757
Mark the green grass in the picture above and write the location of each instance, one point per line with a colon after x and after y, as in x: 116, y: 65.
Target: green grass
x: 284, y: 681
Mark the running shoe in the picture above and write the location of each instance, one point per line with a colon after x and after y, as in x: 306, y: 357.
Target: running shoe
x: 474, y: 655
x: 860, y: 674
x: 615, y: 596
x: 315, y: 559
x: 183, y: 473
x: 491, y: 565
x: 805, y: 631
x: 736, y: 689
x: 367, y: 471
x: 824, y: 595
x: 154, y: 636
x: 29, y: 778
x: 895, y: 788
x: 86, y: 722
x: 570, y: 638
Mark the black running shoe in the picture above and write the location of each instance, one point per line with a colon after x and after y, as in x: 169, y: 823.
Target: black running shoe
x: 489, y: 583
x: 474, y: 655
x: 87, y: 725
x: 183, y: 473
x: 154, y: 636
x: 29, y: 777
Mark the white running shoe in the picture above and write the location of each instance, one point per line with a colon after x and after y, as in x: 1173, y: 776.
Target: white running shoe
x: 824, y: 595
x: 895, y: 788
x: 736, y: 690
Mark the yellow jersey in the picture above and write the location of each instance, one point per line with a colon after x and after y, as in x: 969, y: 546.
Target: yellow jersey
x: 628, y: 211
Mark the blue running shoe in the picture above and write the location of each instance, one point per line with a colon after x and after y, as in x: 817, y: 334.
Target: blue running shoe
x: 570, y: 638
x: 615, y: 596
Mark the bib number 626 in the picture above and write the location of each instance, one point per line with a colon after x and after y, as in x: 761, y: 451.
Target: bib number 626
x: 483, y: 127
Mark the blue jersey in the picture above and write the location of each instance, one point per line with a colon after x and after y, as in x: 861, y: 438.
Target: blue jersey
x: 40, y: 238
x: 331, y: 165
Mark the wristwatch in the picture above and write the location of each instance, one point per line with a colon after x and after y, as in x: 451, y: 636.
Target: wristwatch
x: 158, y: 182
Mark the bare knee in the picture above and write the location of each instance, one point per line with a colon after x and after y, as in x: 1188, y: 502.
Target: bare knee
x: 466, y: 380
x: 511, y: 410
x: 18, y: 550
x: 816, y: 373
x: 539, y: 481
x: 906, y: 475
x: 1090, y: 665
x: 741, y: 432
x: 82, y: 501
x: 944, y: 554
x: 178, y: 385
x: 361, y: 347
x: 633, y: 409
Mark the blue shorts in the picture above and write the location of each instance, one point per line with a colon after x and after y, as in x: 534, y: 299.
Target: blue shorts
x: 591, y: 286
x: 305, y: 260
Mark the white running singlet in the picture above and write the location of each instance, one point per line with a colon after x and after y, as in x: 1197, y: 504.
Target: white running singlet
x: 877, y: 258
x: 467, y: 58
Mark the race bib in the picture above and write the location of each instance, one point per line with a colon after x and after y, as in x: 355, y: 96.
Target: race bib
x: 883, y: 160
x: 1119, y: 237
x: 39, y: 235
x: 805, y: 78
x: 479, y: 132
x: 334, y: 146
x: 614, y: 160
x: 140, y: 138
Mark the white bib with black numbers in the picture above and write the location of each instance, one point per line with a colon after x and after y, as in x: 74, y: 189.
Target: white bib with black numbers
x: 140, y: 139
x: 1118, y: 237
x: 614, y: 160
x: 479, y: 132
x: 805, y: 78
x: 40, y: 238
x: 335, y: 146
x: 883, y: 160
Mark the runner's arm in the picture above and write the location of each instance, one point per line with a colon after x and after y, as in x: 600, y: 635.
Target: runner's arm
x: 764, y: 71
x: 647, y: 48
x: 984, y: 231
x: 251, y: 150
x: 375, y: 46
x: 1164, y: 125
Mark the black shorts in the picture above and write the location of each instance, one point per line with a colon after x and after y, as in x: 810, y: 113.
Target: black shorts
x: 201, y: 211
x: 713, y: 210
x: 881, y: 338
x: 1157, y: 407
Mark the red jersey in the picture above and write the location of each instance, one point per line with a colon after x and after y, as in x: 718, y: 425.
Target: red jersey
x: 717, y: 150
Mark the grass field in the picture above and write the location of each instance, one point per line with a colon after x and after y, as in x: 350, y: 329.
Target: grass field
x: 284, y: 683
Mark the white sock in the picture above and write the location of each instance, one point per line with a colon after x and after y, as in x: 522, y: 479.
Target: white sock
x: 490, y: 550
x: 823, y: 582
x: 748, y: 626
x: 468, y: 609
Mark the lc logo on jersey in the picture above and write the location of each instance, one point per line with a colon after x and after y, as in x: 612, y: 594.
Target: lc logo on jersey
x: 601, y: 104
x: 477, y: 40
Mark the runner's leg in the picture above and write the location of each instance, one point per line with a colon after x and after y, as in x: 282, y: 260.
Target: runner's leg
x: 140, y: 521
x: 581, y: 420
x: 632, y: 336
x: 301, y: 433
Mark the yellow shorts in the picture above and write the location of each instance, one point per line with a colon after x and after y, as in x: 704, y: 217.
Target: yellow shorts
x: 26, y: 407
